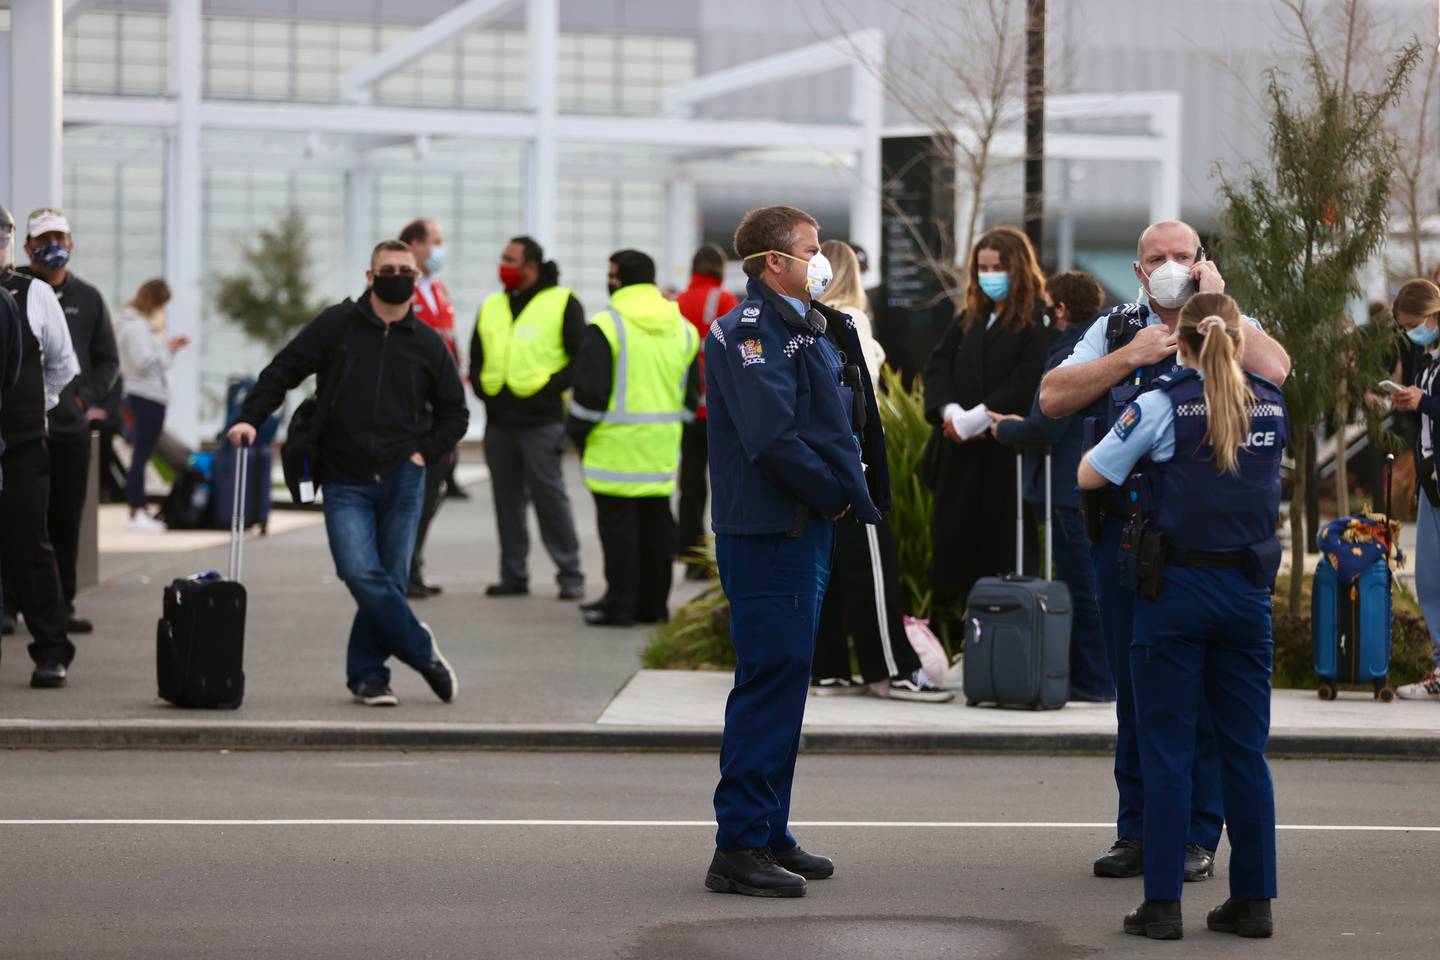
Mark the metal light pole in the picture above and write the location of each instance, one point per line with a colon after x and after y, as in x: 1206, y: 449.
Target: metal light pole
x: 1035, y: 18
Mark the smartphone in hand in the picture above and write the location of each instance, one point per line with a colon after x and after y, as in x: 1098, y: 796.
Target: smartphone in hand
x: 1390, y: 386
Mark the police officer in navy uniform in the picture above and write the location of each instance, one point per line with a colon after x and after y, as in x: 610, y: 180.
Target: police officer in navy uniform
x: 1119, y: 358
x: 1209, y: 442
x: 795, y: 447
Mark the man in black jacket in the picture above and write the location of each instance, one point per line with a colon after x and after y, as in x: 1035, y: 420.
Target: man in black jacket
x: 520, y: 366
x: 47, y: 365
x: 48, y: 244
x: 397, y: 406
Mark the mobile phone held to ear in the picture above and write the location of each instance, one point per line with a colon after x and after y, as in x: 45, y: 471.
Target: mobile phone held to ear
x: 1390, y: 386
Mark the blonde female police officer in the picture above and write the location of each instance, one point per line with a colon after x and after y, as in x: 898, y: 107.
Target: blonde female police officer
x: 1203, y: 556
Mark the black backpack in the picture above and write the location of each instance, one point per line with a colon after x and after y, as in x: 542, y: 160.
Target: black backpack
x: 300, y: 453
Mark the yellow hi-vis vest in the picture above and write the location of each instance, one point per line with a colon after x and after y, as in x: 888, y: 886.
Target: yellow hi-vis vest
x: 522, y: 353
x: 634, y: 448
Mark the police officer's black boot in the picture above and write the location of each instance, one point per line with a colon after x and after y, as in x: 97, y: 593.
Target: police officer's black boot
x: 1156, y: 919
x: 753, y: 873
x: 1199, y: 863
x: 811, y: 866
x: 1125, y: 859
x: 1248, y: 918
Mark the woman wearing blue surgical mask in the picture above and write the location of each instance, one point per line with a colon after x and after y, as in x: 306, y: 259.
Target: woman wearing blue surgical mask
x: 1417, y: 311
x: 990, y: 360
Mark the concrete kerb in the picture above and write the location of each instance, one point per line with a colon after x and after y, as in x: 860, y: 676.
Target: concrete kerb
x: 20, y: 734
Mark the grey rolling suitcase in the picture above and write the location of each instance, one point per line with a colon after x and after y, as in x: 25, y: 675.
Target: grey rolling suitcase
x: 1017, y: 628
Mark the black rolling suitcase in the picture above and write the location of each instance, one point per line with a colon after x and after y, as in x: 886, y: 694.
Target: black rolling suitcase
x: 200, y: 640
x: 1017, y: 628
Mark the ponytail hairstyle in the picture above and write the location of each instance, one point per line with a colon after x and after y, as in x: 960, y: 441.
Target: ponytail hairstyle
x: 1210, y: 330
x: 532, y: 252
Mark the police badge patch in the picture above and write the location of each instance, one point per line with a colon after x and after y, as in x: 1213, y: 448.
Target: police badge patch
x: 1128, y: 421
x: 750, y: 316
x: 752, y: 352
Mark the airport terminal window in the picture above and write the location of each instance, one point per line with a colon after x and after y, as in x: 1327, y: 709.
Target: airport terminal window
x: 113, y: 53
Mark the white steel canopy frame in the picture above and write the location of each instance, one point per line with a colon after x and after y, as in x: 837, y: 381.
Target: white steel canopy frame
x: 847, y: 153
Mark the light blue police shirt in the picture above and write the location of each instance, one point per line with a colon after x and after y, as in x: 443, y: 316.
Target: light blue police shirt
x: 1147, y: 427
x: 1092, y: 345
x: 801, y: 307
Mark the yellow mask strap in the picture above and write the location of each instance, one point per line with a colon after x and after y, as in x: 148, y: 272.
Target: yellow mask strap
x: 778, y: 253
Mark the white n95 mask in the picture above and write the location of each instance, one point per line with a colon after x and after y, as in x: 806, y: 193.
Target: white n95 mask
x: 818, y: 275
x: 1170, y: 285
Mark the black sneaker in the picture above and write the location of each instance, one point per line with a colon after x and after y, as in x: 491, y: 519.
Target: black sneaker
x: 838, y: 687
x: 811, y: 866
x: 1199, y: 863
x: 78, y: 625
x: 1248, y: 918
x: 753, y: 873
x: 48, y: 675
x: 376, y: 695
x: 1125, y: 859
x: 503, y: 589
x: 573, y: 591
x: 7, y: 625
x: 440, y: 675
x: 1156, y: 919
x: 917, y: 688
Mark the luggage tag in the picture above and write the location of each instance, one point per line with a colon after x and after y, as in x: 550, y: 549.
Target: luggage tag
x: 307, y: 486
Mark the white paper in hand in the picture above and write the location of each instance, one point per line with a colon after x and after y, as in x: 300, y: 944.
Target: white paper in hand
x: 973, y: 422
x: 307, y: 491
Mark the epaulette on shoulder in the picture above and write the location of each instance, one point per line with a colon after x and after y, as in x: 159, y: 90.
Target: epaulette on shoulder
x: 1174, y: 378
x: 748, y: 314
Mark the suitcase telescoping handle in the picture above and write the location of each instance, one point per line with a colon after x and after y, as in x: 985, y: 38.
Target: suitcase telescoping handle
x: 1020, y: 517
x: 237, y: 516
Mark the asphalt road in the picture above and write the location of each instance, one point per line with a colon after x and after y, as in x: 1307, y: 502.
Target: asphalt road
x: 587, y: 887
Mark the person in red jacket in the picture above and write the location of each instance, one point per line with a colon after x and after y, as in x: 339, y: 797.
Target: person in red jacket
x: 700, y: 303
x: 433, y: 308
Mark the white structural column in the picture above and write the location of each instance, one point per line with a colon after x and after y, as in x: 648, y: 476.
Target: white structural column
x: 36, y: 92
x: 184, y: 236
x: 359, y: 238
x: 867, y: 109
x: 682, y: 229
x: 1165, y: 175
x: 542, y: 167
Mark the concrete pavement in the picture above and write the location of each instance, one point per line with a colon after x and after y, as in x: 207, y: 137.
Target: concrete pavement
x: 581, y: 856
x: 532, y: 674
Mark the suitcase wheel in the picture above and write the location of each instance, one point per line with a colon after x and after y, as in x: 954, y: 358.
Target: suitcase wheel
x: 1385, y: 695
x: 972, y: 703
x: 1325, y: 692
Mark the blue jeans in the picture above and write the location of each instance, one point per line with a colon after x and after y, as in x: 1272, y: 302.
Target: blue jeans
x: 372, y: 528
x: 1090, y: 677
x: 775, y: 584
x: 1427, y: 569
x: 1205, y: 648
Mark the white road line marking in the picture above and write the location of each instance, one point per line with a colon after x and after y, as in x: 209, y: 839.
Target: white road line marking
x: 865, y: 824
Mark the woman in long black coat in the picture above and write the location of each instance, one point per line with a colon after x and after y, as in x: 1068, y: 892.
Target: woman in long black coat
x: 990, y: 359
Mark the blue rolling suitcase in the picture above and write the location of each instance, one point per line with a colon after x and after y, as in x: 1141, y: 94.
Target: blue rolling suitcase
x: 1350, y: 624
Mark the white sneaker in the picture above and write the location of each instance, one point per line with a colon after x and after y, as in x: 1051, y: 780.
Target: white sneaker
x: 144, y: 523
x: 1426, y: 688
x: 918, y: 688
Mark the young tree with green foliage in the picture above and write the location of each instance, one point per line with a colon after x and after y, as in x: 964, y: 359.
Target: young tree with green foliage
x: 1300, y: 232
x: 270, y: 299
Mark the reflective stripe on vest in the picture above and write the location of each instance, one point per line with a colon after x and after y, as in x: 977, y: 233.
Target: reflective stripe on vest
x: 523, y: 352
x: 635, y: 453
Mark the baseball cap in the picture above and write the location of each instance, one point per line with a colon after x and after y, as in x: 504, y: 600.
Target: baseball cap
x: 47, y: 220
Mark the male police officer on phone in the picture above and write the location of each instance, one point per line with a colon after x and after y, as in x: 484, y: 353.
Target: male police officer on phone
x: 791, y: 416
x: 1121, y: 356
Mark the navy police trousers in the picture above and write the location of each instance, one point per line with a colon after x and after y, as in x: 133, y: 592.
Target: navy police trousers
x: 1117, y: 613
x: 1205, y: 643
x: 775, y: 584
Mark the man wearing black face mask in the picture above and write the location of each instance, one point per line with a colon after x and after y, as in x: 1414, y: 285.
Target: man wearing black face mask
x: 395, y: 405
x: 49, y: 246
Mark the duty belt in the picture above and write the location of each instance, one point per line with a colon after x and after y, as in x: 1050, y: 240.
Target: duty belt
x: 1204, y: 558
